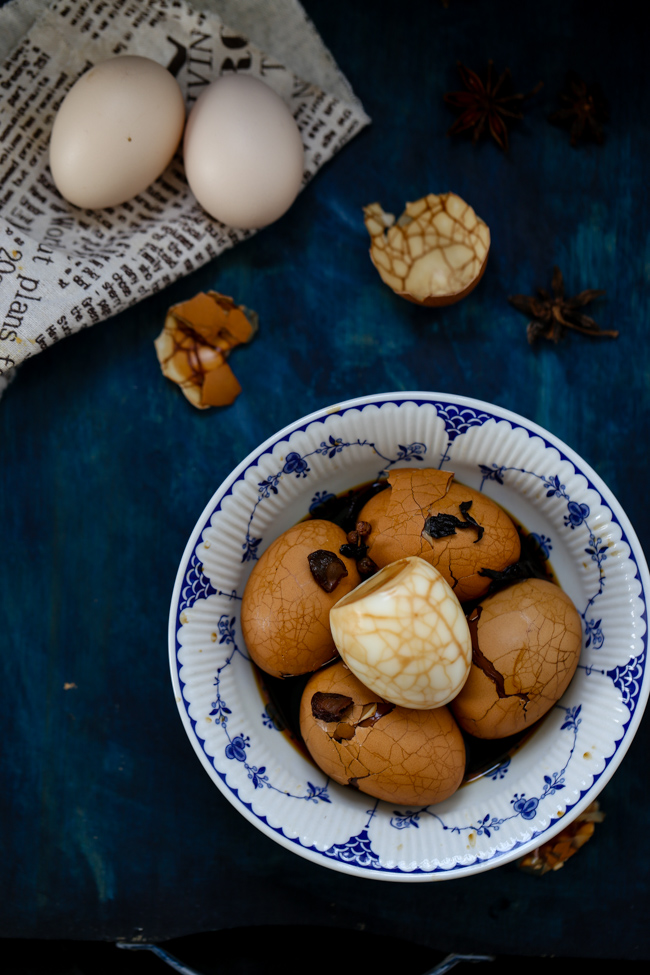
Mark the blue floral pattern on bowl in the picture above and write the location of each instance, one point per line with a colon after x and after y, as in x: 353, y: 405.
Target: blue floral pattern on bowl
x: 528, y: 797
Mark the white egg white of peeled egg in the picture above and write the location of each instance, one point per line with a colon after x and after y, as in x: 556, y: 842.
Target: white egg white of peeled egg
x: 116, y: 131
x: 244, y: 157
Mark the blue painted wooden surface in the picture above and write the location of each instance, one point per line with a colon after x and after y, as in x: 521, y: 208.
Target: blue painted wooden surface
x: 109, y: 827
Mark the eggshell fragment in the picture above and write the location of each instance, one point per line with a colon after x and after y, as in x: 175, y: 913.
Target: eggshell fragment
x: 404, y: 756
x: 243, y: 152
x: 116, y: 131
x: 526, y: 643
x: 196, y: 339
x: 553, y: 854
x: 397, y: 518
x: 435, y: 254
x: 285, y: 612
x: 404, y: 634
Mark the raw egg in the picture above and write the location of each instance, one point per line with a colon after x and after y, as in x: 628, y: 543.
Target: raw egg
x: 244, y: 157
x: 457, y: 529
x: 116, y: 132
x: 526, y: 644
x: 393, y: 753
x: 404, y: 634
x: 285, y: 610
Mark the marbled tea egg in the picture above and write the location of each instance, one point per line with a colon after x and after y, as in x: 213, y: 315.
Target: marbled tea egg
x: 285, y: 611
x: 116, y: 131
x: 244, y: 157
x: 467, y: 532
x: 409, y: 757
x: 526, y: 643
x: 404, y: 634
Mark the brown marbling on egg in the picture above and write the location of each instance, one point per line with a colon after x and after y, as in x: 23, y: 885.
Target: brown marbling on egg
x: 285, y: 612
x: 401, y: 755
x: 398, y: 514
x: 526, y: 644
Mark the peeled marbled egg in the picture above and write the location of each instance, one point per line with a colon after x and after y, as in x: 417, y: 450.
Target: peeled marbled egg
x: 285, y: 611
x: 474, y: 532
x: 526, y: 646
x: 116, y: 131
x: 244, y: 157
x: 401, y: 755
x: 403, y: 633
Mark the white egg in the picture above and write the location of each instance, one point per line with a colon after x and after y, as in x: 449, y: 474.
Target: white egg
x: 116, y: 132
x: 244, y: 157
x: 403, y: 634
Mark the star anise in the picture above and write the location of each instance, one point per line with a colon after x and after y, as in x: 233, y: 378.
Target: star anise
x: 487, y: 105
x: 584, y: 110
x: 550, y: 315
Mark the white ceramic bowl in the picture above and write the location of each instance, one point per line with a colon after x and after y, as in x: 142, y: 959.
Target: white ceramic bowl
x: 537, y: 791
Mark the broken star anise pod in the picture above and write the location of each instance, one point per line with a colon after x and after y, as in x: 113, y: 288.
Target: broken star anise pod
x: 584, y: 110
x: 550, y: 315
x: 487, y: 105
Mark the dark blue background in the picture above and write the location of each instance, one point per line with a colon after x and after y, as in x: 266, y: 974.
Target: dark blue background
x: 109, y: 826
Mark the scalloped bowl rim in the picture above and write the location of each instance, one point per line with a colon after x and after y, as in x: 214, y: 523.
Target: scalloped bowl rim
x: 338, y: 856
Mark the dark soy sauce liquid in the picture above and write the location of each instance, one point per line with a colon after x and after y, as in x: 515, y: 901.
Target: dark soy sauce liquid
x: 282, y: 696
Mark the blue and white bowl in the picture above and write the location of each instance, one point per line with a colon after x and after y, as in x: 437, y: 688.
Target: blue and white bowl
x: 531, y: 796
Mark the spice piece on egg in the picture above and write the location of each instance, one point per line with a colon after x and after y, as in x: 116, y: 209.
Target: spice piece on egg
x: 329, y: 707
x: 356, y: 547
x: 195, y: 342
x: 326, y: 568
x: 435, y: 254
x: 550, y: 316
x: 438, y: 526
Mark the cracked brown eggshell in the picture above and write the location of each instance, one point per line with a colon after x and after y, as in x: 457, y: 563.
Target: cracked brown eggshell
x: 526, y: 643
x: 435, y: 254
x: 197, y: 338
x: 404, y: 756
x: 397, y: 516
x: 285, y: 612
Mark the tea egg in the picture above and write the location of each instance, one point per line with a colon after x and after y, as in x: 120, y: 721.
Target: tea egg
x: 116, y: 131
x: 244, y: 157
x: 526, y: 647
x: 403, y: 633
x: 401, y: 755
x: 398, y: 518
x: 285, y: 612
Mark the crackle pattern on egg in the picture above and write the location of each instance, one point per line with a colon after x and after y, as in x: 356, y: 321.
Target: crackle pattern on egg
x: 285, y: 612
x: 404, y: 634
x: 526, y: 647
x: 397, y: 517
x: 435, y: 254
x: 401, y: 755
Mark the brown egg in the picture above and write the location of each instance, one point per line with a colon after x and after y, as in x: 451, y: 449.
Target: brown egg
x: 526, y: 644
x: 285, y: 612
x: 401, y: 755
x: 397, y: 517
